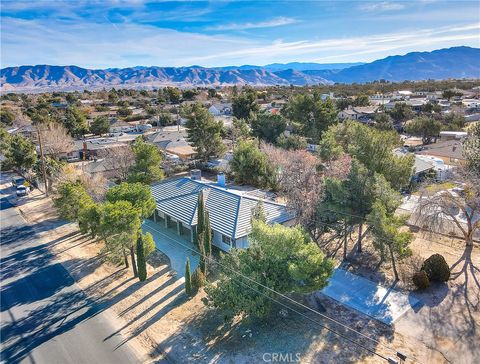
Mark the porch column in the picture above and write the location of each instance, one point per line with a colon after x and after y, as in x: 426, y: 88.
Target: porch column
x: 192, y: 237
x: 178, y: 228
x: 155, y: 215
x: 166, y: 221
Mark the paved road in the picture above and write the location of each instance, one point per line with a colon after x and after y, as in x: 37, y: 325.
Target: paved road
x: 45, y: 317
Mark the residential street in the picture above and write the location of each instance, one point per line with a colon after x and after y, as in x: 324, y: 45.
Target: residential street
x: 45, y: 316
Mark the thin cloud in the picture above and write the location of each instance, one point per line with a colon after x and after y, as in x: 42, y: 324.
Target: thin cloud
x: 129, y: 44
x: 277, y: 22
x: 382, y: 6
x: 346, y: 47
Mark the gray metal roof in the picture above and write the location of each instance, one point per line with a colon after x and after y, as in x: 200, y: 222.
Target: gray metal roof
x: 230, y: 213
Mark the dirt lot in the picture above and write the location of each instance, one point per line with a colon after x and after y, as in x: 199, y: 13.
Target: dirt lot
x: 161, y: 318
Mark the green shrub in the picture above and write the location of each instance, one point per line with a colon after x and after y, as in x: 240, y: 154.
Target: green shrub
x: 188, y: 279
x: 420, y: 280
x: 436, y: 268
x: 198, y: 279
x: 141, y: 263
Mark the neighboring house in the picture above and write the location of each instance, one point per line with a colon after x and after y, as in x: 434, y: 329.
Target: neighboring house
x: 173, y: 141
x: 416, y: 104
x: 422, y: 167
x: 214, y: 111
x: 361, y: 113
x: 99, y: 147
x: 119, y: 126
x: 28, y: 131
x: 70, y: 156
x: 230, y: 210
x: 450, y: 151
x: 220, y: 109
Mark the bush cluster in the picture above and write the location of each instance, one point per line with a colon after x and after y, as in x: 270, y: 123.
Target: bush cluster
x: 420, y: 280
x: 434, y: 269
x: 198, y: 279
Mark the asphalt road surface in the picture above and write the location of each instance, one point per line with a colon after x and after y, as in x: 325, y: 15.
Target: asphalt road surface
x: 45, y: 316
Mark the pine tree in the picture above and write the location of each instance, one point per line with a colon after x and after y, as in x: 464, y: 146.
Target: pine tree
x: 141, y: 263
x: 207, y: 236
x: 188, y: 278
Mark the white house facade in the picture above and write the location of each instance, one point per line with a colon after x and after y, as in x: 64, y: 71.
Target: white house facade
x: 230, y: 211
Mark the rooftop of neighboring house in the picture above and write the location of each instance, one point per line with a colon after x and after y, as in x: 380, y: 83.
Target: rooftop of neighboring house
x: 422, y: 165
x: 103, y: 143
x: 448, y: 148
x: 98, y: 166
x: 355, y: 110
x: 167, y: 135
x: 230, y: 210
x: 365, y: 109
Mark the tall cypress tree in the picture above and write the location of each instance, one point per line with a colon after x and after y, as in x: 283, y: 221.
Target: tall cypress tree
x: 141, y: 263
x: 203, y: 261
x: 188, y: 278
x: 207, y: 236
x: 200, y: 218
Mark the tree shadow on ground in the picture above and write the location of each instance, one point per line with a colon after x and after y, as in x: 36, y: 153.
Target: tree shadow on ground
x: 37, y: 285
x: 206, y: 337
x: 66, y: 306
x: 28, y: 259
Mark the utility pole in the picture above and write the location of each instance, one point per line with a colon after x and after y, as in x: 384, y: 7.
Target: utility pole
x: 42, y: 157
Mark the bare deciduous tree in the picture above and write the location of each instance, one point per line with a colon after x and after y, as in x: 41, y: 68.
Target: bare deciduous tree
x: 300, y: 177
x: 452, y: 209
x: 56, y: 140
x: 118, y: 161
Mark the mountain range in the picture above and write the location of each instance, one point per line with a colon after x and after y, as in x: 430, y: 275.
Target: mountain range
x: 455, y: 62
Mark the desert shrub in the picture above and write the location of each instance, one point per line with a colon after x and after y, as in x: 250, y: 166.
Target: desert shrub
x: 436, y: 268
x: 408, y: 267
x: 198, y: 279
x: 420, y: 280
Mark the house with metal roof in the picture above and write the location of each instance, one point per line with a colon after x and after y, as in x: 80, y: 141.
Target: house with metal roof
x: 230, y: 210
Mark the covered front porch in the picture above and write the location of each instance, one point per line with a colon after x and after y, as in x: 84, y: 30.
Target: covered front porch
x: 173, y: 224
x: 177, y: 247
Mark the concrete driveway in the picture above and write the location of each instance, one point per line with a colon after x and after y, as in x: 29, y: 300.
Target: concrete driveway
x: 175, y: 247
x: 361, y: 294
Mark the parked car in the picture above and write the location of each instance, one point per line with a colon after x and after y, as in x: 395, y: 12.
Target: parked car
x: 22, y: 190
x: 18, y: 181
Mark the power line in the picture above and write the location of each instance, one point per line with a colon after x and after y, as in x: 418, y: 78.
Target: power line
x: 316, y: 322
x: 283, y: 296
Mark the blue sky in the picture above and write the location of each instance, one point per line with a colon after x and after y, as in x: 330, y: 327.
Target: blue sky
x: 122, y: 33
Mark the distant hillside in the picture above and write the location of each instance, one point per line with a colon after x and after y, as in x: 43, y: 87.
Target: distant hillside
x: 457, y: 62
x: 300, y: 66
x: 297, y: 66
x: 45, y: 77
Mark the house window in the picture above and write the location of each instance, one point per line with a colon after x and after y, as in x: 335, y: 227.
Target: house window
x: 226, y: 240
